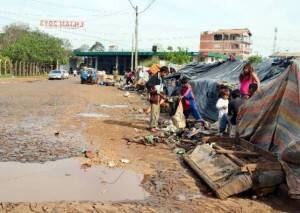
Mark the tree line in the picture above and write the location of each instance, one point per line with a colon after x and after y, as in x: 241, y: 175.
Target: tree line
x: 20, y: 43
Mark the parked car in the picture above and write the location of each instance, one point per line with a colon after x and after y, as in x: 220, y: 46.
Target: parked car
x: 65, y: 74
x: 55, y: 74
x: 88, y: 76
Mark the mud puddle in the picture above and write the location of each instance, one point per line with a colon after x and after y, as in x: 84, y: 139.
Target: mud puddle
x: 92, y: 115
x: 64, y: 180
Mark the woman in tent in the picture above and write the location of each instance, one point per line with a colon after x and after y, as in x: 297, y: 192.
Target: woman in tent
x: 247, y: 77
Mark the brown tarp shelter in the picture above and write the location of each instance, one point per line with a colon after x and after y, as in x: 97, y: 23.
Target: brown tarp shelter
x: 271, y: 120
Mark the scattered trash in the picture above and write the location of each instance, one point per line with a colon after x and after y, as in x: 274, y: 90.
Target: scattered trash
x: 89, y: 154
x: 149, y: 139
x: 125, y: 161
x: 179, y: 151
x: 170, y: 128
x: 92, y: 115
x: 56, y: 133
x: 126, y: 94
x: 113, y: 106
x: 85, y: 165
x: 180, y: 197
x: 111, y: 164
x: 179, y: 118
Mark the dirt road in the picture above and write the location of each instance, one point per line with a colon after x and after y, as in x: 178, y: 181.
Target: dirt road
x: 45, y: 121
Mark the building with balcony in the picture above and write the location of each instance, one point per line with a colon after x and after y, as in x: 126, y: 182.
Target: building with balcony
x: 225, y: 43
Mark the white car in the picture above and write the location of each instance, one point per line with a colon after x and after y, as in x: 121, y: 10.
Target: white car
x: 65, y: 74
x: 55, y: 74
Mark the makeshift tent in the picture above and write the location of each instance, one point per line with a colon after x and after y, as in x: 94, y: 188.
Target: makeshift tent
x: 205, y: 79
x: 271, y: 120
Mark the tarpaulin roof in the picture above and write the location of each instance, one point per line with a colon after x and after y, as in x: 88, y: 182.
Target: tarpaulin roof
x: 271, y: 119
x: 205, y: 79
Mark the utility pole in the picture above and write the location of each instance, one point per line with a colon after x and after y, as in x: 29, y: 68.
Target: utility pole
x: 135, y: 8
x: 136, y: 63
x: 132, y: 53
x: 275, y: 39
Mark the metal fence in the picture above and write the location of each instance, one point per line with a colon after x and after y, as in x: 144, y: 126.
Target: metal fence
x: 21, y: 68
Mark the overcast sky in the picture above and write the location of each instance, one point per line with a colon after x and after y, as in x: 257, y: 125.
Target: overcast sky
x: 167, y: 22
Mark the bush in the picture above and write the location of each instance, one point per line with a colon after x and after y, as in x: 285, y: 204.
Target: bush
x: 150, y: 62
x: 255, y: 59
x: 179, y: 57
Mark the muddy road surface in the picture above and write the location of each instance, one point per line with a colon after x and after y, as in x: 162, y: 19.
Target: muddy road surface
x: 47, y: 125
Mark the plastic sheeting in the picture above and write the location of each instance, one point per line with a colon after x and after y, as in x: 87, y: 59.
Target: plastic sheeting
x: 205, y: 79
x: 271, y: 120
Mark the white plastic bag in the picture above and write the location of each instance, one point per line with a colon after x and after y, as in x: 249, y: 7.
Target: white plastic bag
x: 179, y: 119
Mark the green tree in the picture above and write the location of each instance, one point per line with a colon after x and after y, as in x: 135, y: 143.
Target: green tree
x: 180, y: 56
x: 11, y: 34
x: 34, y: 46
x: 255, y: 59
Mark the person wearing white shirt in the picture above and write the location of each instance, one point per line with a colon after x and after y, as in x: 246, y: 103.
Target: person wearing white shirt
x: 222, y: 106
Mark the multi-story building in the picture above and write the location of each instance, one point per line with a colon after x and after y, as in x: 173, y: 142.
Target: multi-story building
x: 225, y: 43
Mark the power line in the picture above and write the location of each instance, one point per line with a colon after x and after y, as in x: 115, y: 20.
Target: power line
x: 147, y: 7
x: 136, y: 10
x: 131, y: 4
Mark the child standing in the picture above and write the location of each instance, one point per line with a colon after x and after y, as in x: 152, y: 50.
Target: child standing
x: 188, y: 101
x: 222, y: 106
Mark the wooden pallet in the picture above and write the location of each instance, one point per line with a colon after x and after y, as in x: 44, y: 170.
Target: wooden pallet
x: 230, y: 167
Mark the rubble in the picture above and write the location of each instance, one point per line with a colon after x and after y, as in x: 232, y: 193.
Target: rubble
x: 126, y: 161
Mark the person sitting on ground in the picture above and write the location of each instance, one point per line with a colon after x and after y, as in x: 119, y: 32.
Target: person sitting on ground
x: 247, y: 77
x: 155, y: 89
x: 222, y: 106
x: 252, y: 89
x: 188, y: 101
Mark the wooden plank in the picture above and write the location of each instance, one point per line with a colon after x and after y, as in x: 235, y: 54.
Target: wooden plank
x: 231, y: 156
x: 220, y: 172
x: 251, y: 147
x: 202, y: 174
x: 194, y: 133
x: 243, y: 153
x: 189, y: 141
x: 243, y: 143
x: 265, y: 166
x: 217, y: 139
